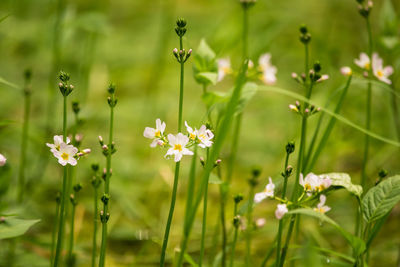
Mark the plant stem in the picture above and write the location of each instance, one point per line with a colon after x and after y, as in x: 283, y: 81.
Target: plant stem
x: 71, y: 238
x: 279, y: 237
x: 107, y: 189
x: 24, y: 143
x: 235, y: 236
x: 249, y: 226
x: 223, y: 222
x: 176, y: 177
x: 63, y: 195
x: 204, y: 226
x: 53, y: 235
x: 95, y: 212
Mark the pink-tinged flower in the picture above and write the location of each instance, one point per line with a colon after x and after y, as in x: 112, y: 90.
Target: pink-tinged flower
x: 380, y: 72
x: 3, y: 160
x: 202, y: 135
x: 269, y: 71
x: 155, y: 134
x: 268, y: 192
x: 315, y: 183
x: 224, y: 68
x: 66, y: 154
x: 58, y: 140
x: 346, y: 71
x: 363, y: 62
x: 321, y: 207
x: 178, y: 146
x: 281, y: 210
x: 324, y: 77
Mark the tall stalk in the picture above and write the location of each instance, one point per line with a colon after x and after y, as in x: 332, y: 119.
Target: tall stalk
x: 108, y: 151
x: 287, y: 171
x: 24, y: 136
x: 249, y: 228
x: 181, y: 56
x: 53, y: 235
x: 65, y: 90
x: 70, y: 254
x: 236, y: 224
x: 96, y: 181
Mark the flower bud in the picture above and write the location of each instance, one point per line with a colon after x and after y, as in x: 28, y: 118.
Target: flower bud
x: 346, y: 71
x: 237, y: 198
x: 290, y: 147
x: 3, y: 160
x: 95, y: 167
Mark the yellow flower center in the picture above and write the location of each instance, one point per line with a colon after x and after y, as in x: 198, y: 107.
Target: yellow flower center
x: 307, y: 187
x: 379, y: 73
x: 192, y: 136
x: 64, y: 156
x: 367, y: 66
x: 226, y: 70
x: 202, y: 136
x: 157, y: 133
x: 178, y: 147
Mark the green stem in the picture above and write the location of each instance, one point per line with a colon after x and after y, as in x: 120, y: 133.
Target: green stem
x: 203, y: 227
x: 249, y: 226
x: 53, y: 235
x: 279, y: 237
x: 71, y: 238
x: 107, y: 189
x: 328, y: 130
x: 245, y: 36
x: 63, y: 195
x: 235, y: 237
x: 223, y: 223
x: 95, y: 212
x: 24, y: 143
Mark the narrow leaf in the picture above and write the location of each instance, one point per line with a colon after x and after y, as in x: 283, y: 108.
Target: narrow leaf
x: 13, y: 227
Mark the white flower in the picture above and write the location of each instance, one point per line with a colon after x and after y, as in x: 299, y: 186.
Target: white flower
x: 268, y: 192
x: 321, y: 205
x: 280, y: 211
x: 363, y: 62
x: 224, y: 68
x: 155, y: 134
x: 66, y: 154
x: 346, y: 71
x: 324, y: 77
x: 203, y: 135
x: 380, y: 72
x: 269, y: 71
x: 315, y: 183
x: 58, y: 140
x: 178, y: 146
x: 2, y: 160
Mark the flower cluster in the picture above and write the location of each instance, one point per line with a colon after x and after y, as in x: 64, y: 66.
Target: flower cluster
x: 268, y: 192
x: 65, y: 152
x: 313, y: 183
x: 379, y: 71
x: 265, y: 71
x: 321, y: 207
x: 297, y: 108
x: 178, y: 145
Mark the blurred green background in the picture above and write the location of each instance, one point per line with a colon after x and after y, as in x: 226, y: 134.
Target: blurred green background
x: 130, y: 43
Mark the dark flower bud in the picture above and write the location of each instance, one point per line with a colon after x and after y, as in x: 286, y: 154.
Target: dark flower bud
x: 95, y: 167
x: 77, y: 188
x: 111, y: 88
x: 256, y: 171
x: 382, y: 173
x: 63, y: 76
x: 28, y: 74
x: 237, y: 198
x: 317, y: 66
x: 181, y: 22
x: 75, y: 107
x: 303, y: 29
x: 105, y: 198
x: 236, y: 221
x: 290, y: 147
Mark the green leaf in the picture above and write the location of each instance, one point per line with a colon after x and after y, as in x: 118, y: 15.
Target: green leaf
x: 214, y: 179
x: 388, y: 19
x: 343, y: 180
x: 204, y: 65
x: 380, y: 200
x: 207, y: 77
x: 190, y: 260
x: 205, y: 51
x: 13, y: 227
x: 248, y: 92
x: 357, y: 244
x: 10, y: 84
x: 214, y: 97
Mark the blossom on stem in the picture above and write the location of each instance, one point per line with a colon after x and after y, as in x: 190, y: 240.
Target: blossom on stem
x: 224, y: 68
x: 346, y: 71
x: 178, y: 146
x: 155, y: 133
x: 66, y: 154
x: 202, y: 135
x: 380, y: 72
x: 315, y: 183
x: 268, y: 192
x: 363, y: 62
x: 281, y: 210
x: 269, y: 71
x: 2, y: 160
x: 321, y: 207
x: 58, y: 140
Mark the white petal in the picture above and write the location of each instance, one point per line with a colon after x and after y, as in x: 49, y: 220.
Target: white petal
x: 178, y: 157
x: 172, y: 139
x: 72, y: 161
x: 149, y: 132
x: 259, y: 197
x: 186, y: 151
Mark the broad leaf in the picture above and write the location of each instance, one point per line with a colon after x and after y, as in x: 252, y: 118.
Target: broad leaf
x: 357, y: 244
x: 248, y: 92
x: 213, y: 97
x: 13, y: 227
x: 205, y: 51
x: 207, y: 77
x: 343, y: 180
x: 380, y: 200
